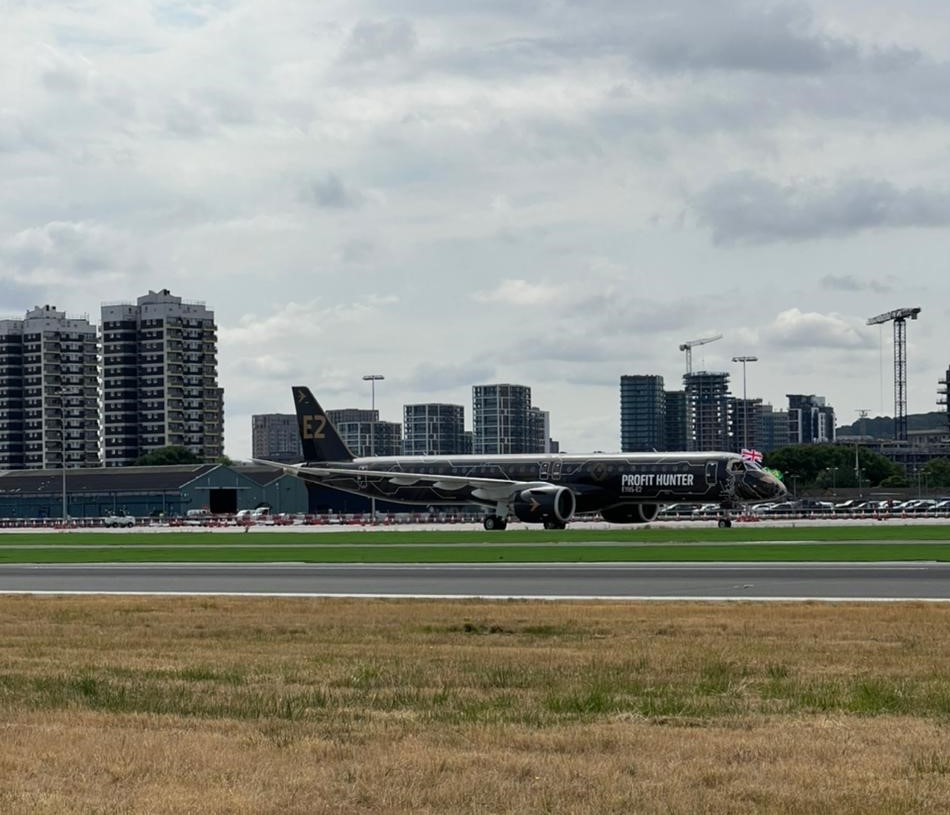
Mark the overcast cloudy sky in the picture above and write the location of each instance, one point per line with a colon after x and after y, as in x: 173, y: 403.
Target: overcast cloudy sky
x: 546, y: 192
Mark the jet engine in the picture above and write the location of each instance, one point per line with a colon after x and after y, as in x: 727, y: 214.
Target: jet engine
x: 540, y: 504
x: 631, y: 513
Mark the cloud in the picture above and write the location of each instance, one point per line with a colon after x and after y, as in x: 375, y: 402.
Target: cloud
x: 329, y: 192
x: 851, y: 283
x: 63, y: 254
x: 796, y: 329
x: 373, y: 41
x: 518, y: 292
x: 430, y: 377
x: 782, y: 38
x: 747, y: 208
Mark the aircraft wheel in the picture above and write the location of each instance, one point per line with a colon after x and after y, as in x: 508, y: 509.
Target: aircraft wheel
x: 493, y: 522
x: 550, y: 523
x: 724, y: 523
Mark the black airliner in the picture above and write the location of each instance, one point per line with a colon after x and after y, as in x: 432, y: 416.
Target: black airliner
x: 541, y: 488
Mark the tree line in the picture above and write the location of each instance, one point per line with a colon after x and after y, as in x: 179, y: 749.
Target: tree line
x: 830, y: 466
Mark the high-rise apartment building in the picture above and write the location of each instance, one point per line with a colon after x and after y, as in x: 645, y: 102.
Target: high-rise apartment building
x: 434, y: 429
x: 500, y: 423
x: 160, y: 379
x: 539, y: 431
x: 746, y: 423
x: 676, y: 420
x: 364, y: 434
x: 707, y: 411
x: 276, y: 437
x: 810, y: 420
x: 642, y: 413
x: 773, y: 429
x: 48, y: 391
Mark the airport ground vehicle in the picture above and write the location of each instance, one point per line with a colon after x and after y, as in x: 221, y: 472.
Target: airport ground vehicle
x: 119, y: 519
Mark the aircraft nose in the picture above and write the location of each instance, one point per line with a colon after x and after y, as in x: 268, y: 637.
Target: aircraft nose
x: 764, y: 485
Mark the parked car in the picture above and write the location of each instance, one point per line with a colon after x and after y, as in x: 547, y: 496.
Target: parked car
x: 119, y: 519
x: 677, y: 511
x: 783, y: 508
x: 916, y: 506
x: 813, y: 505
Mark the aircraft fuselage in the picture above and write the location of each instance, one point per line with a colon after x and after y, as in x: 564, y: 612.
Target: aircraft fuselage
x: 597, y: 481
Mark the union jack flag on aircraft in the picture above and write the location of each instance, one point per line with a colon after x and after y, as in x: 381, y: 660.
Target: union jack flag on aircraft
x: 751, y: 455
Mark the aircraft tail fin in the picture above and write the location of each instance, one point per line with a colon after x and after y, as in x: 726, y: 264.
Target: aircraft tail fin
x: 318, y: 436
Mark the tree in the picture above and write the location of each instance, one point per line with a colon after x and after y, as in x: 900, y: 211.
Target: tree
x: 821, y: 465
x: 167, y: 456
x: 937, y: 472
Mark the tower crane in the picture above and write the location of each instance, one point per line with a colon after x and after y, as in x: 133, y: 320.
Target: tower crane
x: 899, y: 316
x: 689, y: 345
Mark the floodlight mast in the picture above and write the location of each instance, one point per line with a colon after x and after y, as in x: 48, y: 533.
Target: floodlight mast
x: 899, y: 317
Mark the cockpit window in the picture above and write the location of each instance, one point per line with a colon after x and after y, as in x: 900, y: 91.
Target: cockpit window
x: 737, y: 466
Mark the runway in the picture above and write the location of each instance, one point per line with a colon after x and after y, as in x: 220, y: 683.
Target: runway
x: 673, y: 581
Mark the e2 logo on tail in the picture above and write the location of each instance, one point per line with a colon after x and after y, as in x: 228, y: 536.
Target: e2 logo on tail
x: 311, y: 427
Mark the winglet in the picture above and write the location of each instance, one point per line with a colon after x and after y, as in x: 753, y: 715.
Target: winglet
x: 318, y: 436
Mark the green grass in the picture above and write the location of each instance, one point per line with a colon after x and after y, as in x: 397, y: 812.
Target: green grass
x: 758, y: 544
x: 654, y: 533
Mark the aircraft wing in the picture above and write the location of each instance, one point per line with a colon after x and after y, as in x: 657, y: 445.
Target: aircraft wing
x: 493, y: 489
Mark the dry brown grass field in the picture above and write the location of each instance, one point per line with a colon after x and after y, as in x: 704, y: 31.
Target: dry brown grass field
x: 197, y: 705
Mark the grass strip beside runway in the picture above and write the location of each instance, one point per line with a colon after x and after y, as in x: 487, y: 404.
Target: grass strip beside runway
x: 579, y: 546
x: 267, y: 706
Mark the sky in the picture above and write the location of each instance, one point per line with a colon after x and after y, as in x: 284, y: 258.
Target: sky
x: 546, y: 192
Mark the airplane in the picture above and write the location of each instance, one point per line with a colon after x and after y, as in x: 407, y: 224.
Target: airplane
x: 535, y: 488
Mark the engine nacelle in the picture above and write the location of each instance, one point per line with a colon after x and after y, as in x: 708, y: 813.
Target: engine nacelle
x: 540, y: 504
x: 631, y: 514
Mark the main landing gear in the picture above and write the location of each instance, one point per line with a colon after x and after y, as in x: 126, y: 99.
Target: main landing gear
x: 493, y: 522
x: 725, y: 521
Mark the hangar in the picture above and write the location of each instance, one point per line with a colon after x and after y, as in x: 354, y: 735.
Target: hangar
x: 170, y: 492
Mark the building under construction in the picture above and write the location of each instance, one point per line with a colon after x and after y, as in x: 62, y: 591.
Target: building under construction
x: 707, y: 411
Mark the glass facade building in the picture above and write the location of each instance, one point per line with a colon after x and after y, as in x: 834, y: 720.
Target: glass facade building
x: 642, y: 413
x: 500, y: 420
x: 434, y: 429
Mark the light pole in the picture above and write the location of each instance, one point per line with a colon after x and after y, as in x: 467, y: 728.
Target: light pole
x: 372, y: 379
x: 745, y: 403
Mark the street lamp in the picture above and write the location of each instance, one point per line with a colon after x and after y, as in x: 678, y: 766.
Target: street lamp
x: 745, y: 403
x: 372, y: 379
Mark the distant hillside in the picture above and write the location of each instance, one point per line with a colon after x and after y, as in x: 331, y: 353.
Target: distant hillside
x: 882, y: 427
